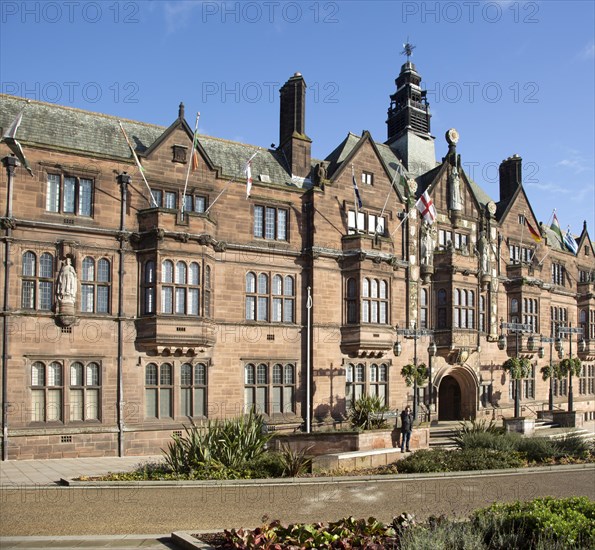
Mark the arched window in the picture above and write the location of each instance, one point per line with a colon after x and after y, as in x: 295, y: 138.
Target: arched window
x: 256, y: 388
x: 84, y: 391
x: 374, y: 301
x: 158, y: 391
x: 193, y: 395
x: 95, y: 286
x: 37, y: 291
x: 46, y: 392
x: 283, y: 388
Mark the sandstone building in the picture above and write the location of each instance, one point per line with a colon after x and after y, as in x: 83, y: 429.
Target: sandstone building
x: 125, y: 318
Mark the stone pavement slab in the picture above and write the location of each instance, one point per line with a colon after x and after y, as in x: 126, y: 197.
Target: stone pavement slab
x: 111, y: 542
x: 50, y: 471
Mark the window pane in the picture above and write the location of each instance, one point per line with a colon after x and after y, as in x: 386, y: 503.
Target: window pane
x: 277, y: 285
x: 158, y: 196
x: 186, y: 375
x: 194, y: 274
x: 167, y: 300
x: 289, y: 374
x: 87, y: 298
x: 54, y: 406
x: 164, y: 403
x: 52, y: 201
x: 186, y: 401
x: 351, y: 221
x: 103, y: 271
x: 287, y: 399
x: 250, y: 282
x: 88, y: 269
x: 46, y: 266
x: 263, y: 284
x: 180, y: 273
x: 76, y: 374
x: 261, y: 374
x: 258, y: 221
x: 165, y: 378
x: 200, y: 400
x: 45, y: 295
x: 269, y: 225
x: 180, y: 301
x: 383, y: 287
x: 76, y: 405
x: 277, y: 374
x: 249, y: 374
x: 288, y: 311
x: 365, y: 311
x: 200, y: 374
x: 92, y: 406
x: 151, y: 403
x: 151, y: 374
x: 277, y: 398
x: 248, y: 399
x: 383, y: 313
x: 69, y: 191
x: 92, y: 374
x: 261, y: 399
x: 37, y: 405
x: 366, y: 288
x: 167, y: 272
x: 103, y: 299
x: 263, y: 309
x: 188, y: 203
x: 199, y: 204
x: 170, y: 199
x: 38, y: 374
x: 85, y: 196
x: 251, y: 308
x: 149, y: 300
x: 277, y: 309
x: 193, y: 301
x: 150, y: 272
x: 289, y: 286
x: 28, y: 295
x: 29, y: 262
x: 282, y: 225
x: 55, y: 374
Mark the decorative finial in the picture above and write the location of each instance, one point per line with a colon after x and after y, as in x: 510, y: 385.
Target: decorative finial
x: 181, y: 110
x: 408, y: 49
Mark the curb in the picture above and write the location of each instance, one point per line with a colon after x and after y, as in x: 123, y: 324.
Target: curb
x: 185, y: 541
x: 325, y: 480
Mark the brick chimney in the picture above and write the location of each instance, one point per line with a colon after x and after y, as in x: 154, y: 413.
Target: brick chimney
x: 293, y: 141
x: 511, y: 176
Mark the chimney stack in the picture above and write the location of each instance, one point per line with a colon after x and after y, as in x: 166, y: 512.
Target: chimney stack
x: 293, y: 141
x: 511, y: 176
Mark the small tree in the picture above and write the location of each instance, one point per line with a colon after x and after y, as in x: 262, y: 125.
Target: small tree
x: 413, y: 374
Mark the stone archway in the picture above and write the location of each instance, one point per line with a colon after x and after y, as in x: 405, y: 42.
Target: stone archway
x: 457, y: 393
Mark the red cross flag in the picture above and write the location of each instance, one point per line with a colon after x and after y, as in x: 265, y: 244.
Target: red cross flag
x: 426, y: 207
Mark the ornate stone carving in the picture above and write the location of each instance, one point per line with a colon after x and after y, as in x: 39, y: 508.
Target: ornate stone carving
x: 67, y: 286
x: 456, y: 198
x: 426, y: 252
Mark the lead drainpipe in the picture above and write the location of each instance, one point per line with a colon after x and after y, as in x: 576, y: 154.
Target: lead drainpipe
x: 123, y: 179
x: 10, y: 163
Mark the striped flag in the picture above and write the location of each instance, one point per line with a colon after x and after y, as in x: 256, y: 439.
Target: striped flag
x: 555, y: 227
x: 570, y: 242
x: 356, y: 189
x: 426, y: 207
x: 536, y: 235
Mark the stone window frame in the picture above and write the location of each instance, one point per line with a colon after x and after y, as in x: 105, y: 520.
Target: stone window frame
x: 87, y: 387
x: 186, y: 292
x: 464, y: 308
x: 96, y: 283
x: 367, y: 222
x: 159, y: 390
x: 262, y: 299
x: 262, y: 384
x: 56, y: 194
x: 37, y: 281
x: 530, y: 313
x: 367, y: 177
x: 360, y: 380
x: 379, y: 303
x: 558, y: 274
x: 424, y: 308
x: 194, y: 383
x: 268, y: 223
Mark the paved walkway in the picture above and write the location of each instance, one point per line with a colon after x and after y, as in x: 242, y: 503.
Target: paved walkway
x: 111, y: 542
x: 49, y: 472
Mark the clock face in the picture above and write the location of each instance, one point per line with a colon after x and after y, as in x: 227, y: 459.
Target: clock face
x: 452, y: 136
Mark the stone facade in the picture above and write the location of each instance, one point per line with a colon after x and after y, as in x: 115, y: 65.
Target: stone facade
x: 183, y: 317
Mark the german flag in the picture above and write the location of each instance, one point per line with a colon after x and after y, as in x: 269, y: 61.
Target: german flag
x: 533, y: 232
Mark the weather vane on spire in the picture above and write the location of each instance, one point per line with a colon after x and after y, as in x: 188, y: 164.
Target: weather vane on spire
x: 408, y: 49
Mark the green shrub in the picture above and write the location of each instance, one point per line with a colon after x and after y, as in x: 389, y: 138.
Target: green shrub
x: 295, y: 462
x: 445, y: 535
x: 440, y: 460
x: 218, y: 447
x: 486, y: 440
x: 368, y: 412
x: 543, y: 522
x: 573, y: 445
x: 537, y: 449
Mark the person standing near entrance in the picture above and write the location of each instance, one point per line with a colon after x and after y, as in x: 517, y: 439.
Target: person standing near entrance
x: 406, y: 428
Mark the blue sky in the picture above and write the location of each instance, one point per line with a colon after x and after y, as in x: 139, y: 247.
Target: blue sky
x: 510, y: 76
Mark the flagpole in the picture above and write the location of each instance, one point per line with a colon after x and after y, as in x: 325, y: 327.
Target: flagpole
x: 551, y: 218
x: 402, y: 222
x: 190, y: 160
x: 521, y: 245
x: 550, y: 248
x: 138, y: 164
x: 308, y: 366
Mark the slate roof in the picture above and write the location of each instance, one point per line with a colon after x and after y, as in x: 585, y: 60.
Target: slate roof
x: 75, y: 130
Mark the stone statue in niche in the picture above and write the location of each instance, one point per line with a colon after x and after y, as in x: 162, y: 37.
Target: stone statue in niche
x: 484, y: 253
x: 456, y: 198
x: 321, y: 173
x: 427, y: 245
x: 66, y: 288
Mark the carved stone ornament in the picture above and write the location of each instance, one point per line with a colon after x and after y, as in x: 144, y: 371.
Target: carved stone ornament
x: 456, y: 198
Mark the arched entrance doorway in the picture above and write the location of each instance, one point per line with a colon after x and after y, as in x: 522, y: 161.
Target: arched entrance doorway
x: 449, y: 399
x: 457, y: 393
